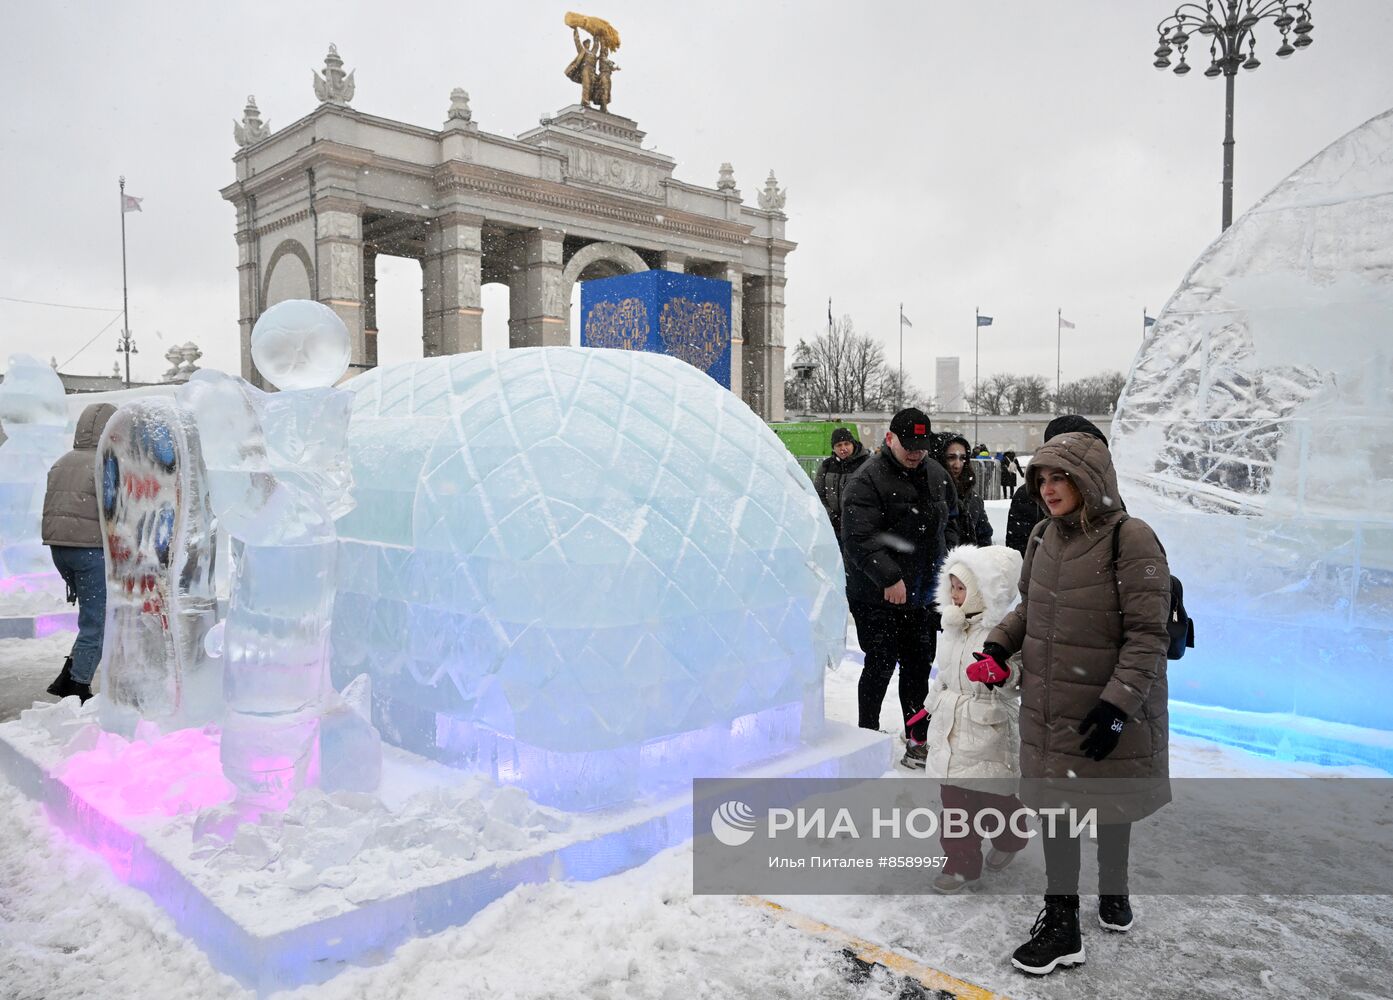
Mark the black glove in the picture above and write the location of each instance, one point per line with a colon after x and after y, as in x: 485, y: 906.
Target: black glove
x: 1107, y: 722
x: 998, y: 653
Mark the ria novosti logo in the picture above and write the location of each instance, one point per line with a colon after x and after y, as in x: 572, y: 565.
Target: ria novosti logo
x: 733, y: 823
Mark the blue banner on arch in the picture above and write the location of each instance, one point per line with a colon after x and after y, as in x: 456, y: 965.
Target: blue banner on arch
x: 683, y: 315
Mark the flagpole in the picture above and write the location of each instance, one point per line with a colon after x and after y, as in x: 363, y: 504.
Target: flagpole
x: 1058, y: 340
x: 125, y: 301
x: 976, y: 374
x: 1143, y: 324
x: 899, y: 392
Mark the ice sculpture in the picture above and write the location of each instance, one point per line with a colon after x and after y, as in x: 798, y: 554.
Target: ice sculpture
x: 582, y: 571
x: 158, y: 534
x: 278, y: 477
x: 1256, y: 430
x: 34, y: 415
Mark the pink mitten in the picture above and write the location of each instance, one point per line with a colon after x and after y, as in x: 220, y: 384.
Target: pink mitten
x: 987, y: 670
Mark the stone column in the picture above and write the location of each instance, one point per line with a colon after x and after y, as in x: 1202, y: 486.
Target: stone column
x: 537, y: 316
x: 763, y: 349
x: 432, y: 295
x: 248, y: 297
x: 672, y: 260
x: 370, y: 307
x: 733, y: 274
x: 339, y: 254
x: 456, y: 240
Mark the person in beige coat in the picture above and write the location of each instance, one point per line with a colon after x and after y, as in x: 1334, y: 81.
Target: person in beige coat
x: 73, y: 533
x: 973, y: 740
x: 1092, y: 638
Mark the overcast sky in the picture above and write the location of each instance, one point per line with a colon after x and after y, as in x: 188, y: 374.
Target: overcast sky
x: 1017, y: 157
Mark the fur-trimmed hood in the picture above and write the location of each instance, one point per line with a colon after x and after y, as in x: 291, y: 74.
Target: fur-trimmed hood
x: 995, y: 573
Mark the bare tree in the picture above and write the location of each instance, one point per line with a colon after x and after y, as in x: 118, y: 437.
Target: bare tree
x: 1029, y: 394
x: 848, y: 374
x: 1091, y: 394
x: 993, y: 395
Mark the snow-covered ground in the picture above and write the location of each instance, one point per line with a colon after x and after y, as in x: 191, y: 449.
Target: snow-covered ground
x: 68, y: 928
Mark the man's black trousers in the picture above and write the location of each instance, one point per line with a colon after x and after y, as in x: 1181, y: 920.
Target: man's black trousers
x: 892, y: 634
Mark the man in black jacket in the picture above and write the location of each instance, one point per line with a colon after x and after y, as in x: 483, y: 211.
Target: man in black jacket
x: 1025, y: 513
x: 847, y: 456
x: 899, y: 517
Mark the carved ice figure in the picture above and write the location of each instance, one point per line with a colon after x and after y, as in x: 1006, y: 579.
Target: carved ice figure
x: 590, y: 573
x: 34, y: 415
x: 158, y: 534
x: 278, y: 478
x: 1256, y: 429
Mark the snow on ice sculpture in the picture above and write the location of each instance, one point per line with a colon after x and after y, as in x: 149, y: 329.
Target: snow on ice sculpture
x: 278, y: 477
x: 157, y: 532
x: 1258, y: 422
x: 34, y: 416
x: 585, y: 572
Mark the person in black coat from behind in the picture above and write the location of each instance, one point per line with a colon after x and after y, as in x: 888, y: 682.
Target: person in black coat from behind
x: 848, y: 455
x: 1025, y: 513
x: 899, y: 519
x: 973, y: 526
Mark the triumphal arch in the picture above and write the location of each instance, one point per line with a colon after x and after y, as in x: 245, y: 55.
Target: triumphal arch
x: 576, y: 197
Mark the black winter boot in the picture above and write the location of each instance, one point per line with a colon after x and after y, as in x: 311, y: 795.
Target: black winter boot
x: 1114, y: 913
x: 64, y: 678
x: 64, y: 684
x: 1054, y: 940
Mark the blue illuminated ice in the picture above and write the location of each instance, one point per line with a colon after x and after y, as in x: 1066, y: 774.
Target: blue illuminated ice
x: 1256, y: 433
x: 582, y: 571
x: 34, y: 417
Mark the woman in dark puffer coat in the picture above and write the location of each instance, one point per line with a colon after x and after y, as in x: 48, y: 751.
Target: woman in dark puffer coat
x: 1092, y: 637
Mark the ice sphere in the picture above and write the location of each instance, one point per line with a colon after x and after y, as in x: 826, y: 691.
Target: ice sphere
x: 34, y: 417
x: 158, y: 535
x: 1256, y: 433
x: 578, y: 569
x: 299, y: 344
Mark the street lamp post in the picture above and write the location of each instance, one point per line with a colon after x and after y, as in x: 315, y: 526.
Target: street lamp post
x: 1229, y: 28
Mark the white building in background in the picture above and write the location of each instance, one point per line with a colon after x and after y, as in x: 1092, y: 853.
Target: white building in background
x: 948, y: 387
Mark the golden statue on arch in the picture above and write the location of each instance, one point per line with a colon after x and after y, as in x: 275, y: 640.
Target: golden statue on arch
x: 592, y: 68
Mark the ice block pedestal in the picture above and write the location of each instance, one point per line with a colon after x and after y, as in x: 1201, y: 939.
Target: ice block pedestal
x: 343, y: 878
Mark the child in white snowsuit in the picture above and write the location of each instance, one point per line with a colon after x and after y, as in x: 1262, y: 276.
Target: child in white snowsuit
x: 974, y: 729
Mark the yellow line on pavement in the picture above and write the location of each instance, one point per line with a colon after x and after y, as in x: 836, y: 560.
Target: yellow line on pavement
x: 869, y: 952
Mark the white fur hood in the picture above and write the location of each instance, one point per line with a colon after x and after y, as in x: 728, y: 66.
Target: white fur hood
x: 995, y: 572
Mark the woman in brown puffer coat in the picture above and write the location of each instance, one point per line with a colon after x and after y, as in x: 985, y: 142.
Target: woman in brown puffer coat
x: 1092, y: 637
x: 73, y: 532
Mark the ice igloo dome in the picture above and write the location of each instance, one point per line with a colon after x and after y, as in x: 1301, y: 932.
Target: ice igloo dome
x: 1257, y: 429
x: 589, y: 572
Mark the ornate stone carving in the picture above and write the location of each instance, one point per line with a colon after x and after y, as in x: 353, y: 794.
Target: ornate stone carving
x: 613, y: 171
x: 335, y: 86
x: 251, y: 128
x: 459, y: 106
x: 726, y: 180
x: 771, y: 199
x: 182, y: 358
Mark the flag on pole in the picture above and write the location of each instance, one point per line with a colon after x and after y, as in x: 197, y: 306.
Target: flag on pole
x: 905, y: 320
x: 1147, y: 321
x: 984, y: 320
x: 1065, y: 324
x: 130, y: 203
x: 829, y: 312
